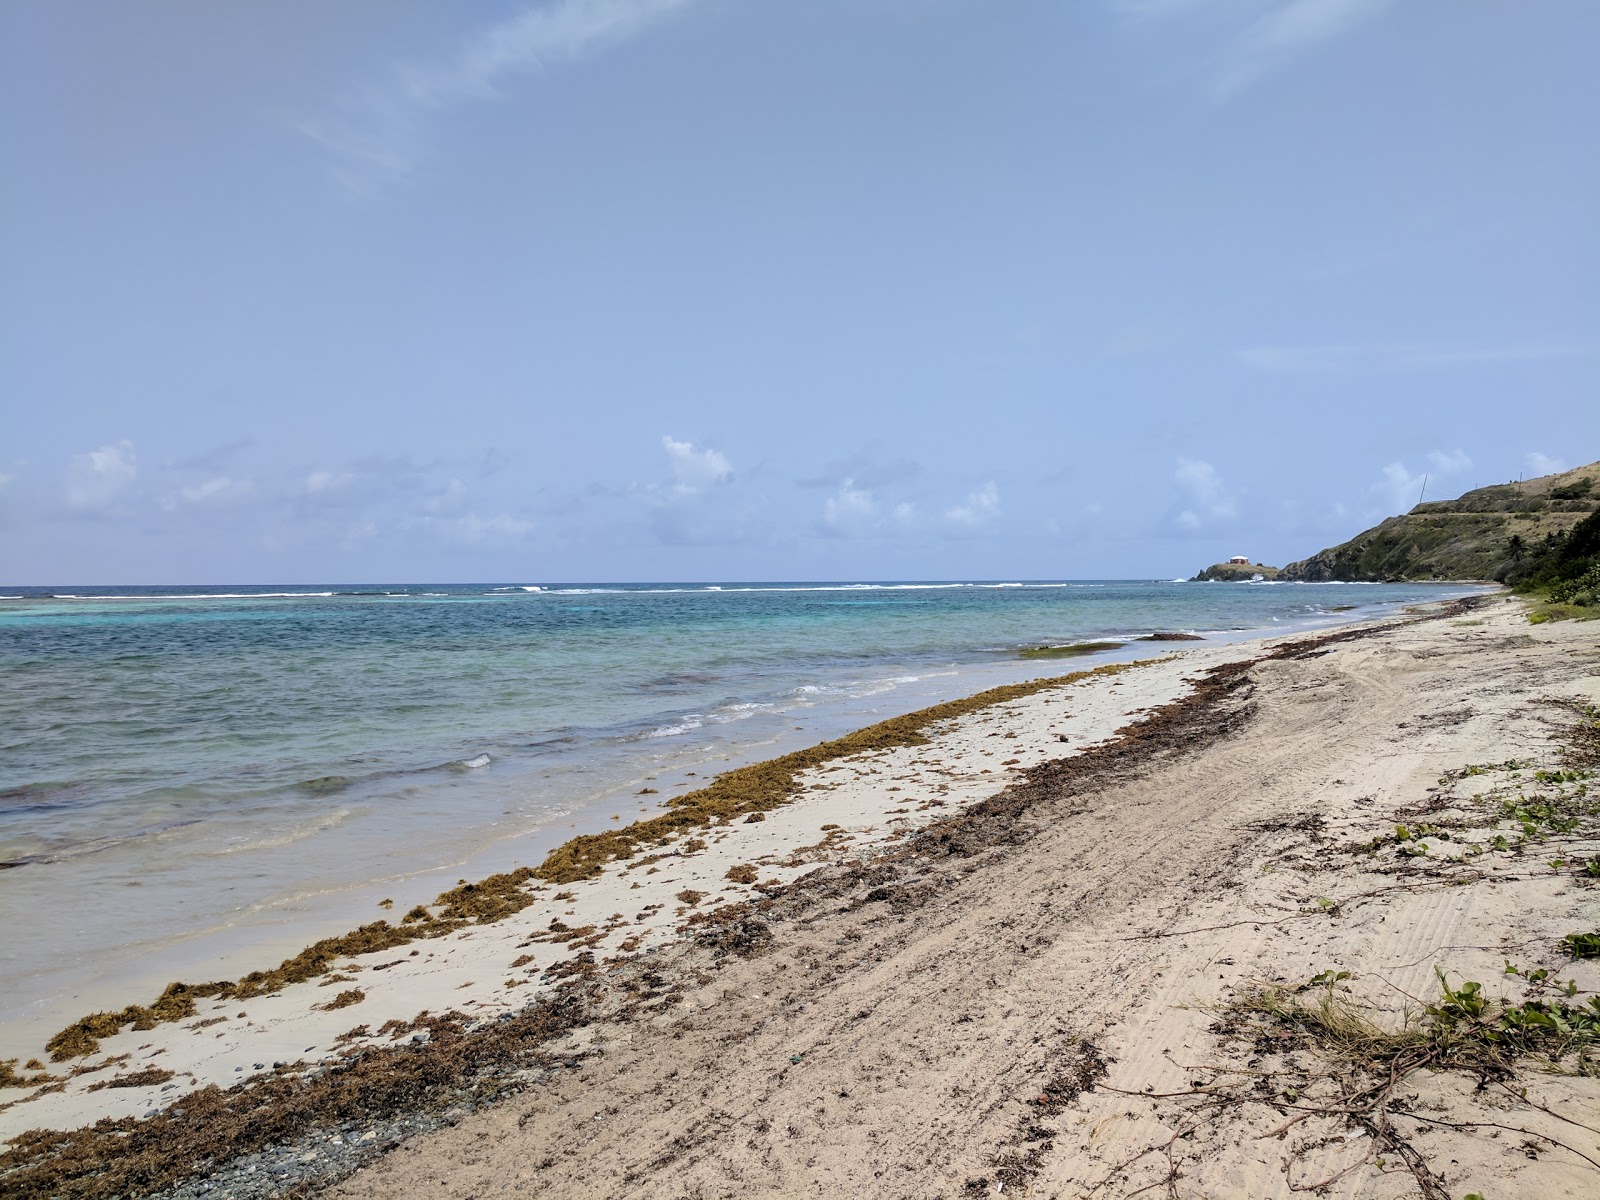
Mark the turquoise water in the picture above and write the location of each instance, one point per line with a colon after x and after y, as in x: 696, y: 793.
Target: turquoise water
x: 181, y: 760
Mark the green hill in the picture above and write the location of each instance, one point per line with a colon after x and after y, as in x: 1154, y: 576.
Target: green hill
x: 1487, y: 533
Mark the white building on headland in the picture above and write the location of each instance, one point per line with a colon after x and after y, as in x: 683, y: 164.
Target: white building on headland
x: 1242, y: 560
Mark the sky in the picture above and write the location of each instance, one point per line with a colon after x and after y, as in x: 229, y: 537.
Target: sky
x: 605, y: 290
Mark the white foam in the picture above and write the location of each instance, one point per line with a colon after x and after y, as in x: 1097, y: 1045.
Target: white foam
x: 739, y: 712
x: 808, y: 587
x: 687, y: 725
x: 320, y: 823
x: 191, y: 596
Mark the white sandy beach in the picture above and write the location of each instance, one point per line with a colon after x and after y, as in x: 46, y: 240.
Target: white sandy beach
x: 913, y: 1048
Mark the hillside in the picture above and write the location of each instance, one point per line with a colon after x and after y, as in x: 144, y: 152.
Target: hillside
x: 1483, y: 534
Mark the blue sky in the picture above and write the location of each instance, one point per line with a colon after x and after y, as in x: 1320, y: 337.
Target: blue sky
x: 387, y: 290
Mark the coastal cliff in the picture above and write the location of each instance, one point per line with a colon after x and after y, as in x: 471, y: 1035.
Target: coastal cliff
x: 1483, y: 534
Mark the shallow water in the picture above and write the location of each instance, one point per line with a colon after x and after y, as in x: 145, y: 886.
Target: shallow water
x: 182, y: 760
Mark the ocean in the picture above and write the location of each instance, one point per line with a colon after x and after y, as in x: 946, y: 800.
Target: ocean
x: 192, y: 769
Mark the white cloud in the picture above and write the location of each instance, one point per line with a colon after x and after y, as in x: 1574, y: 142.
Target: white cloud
x: 377, y: 131
x: 95, y: 479
x: 1280, y: 31
x: 327, y: 481
x: 217, y: 490
x: 693, y: 468
x: 1449, y: 462
x: 1395, y: 357
x: 849, y: 507
x: 1287, y: 31
x: 1398, y: 489
x: 449, y: 499
x: 565, y: 29
x: 473, y: 530
x: 1543, y: 464
x: 855, y: 511
x: 1209, y: 500
x: 980, y: 506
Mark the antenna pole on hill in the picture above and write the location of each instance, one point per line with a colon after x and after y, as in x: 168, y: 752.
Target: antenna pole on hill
x: 1424, y: 490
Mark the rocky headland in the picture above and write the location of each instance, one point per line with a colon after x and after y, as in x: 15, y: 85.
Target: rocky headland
x: 1483, y: 534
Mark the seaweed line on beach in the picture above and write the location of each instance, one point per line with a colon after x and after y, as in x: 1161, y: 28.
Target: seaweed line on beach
x: 757, y: 788
x: 1361, y: 1091
x: 453, y: 1066
x: 456, y: 1066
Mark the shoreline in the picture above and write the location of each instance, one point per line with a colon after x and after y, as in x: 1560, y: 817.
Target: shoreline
x: 783, y: 854
x: 238, y: 941
x: 253, y: 957
x: 1026, y: 727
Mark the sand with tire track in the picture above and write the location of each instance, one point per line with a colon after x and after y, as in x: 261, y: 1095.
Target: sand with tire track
x: 1065, y: 947
x: 1038, y: 1014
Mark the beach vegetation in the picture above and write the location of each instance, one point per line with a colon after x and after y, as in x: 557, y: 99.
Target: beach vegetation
x: 1563, y: 612
x: 1582, y: 945
x: 1370, y: 1056
x: 1465, y: 1029
x: 1563, y: 572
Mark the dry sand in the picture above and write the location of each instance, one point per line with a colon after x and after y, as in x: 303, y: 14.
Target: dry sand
x: 1007, y: 967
